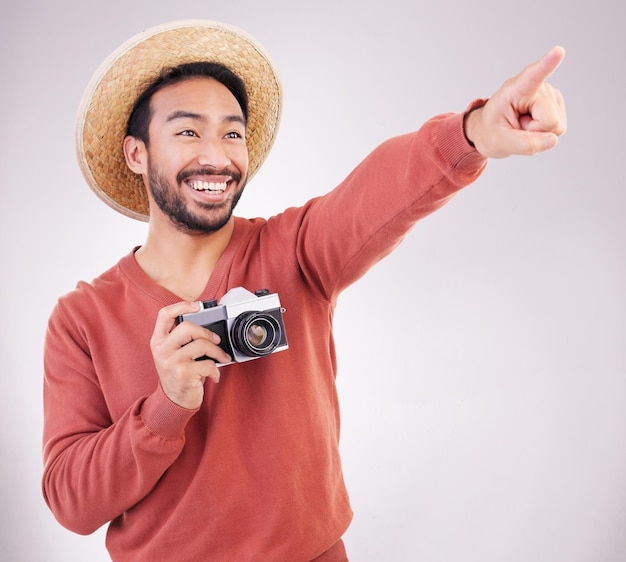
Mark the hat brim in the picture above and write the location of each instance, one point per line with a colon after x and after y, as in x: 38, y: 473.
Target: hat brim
x: 130, y: 69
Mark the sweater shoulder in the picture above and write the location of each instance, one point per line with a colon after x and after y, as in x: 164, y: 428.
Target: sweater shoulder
x: 102, y: 291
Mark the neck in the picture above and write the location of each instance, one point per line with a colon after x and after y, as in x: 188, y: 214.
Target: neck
x: 181, y: 262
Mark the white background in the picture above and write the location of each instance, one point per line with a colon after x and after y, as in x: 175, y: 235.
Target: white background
x: 482, y: 365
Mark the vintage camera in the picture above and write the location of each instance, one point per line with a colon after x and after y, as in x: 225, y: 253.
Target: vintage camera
x: 250, y: 325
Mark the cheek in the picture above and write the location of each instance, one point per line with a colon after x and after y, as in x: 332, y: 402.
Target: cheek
x: 240, y: 159
x: 169, y: 160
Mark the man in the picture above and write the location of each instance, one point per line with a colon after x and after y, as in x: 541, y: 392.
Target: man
x: 195, y: 459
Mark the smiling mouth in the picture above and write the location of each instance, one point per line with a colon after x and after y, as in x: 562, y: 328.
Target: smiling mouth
x: 208, y: 186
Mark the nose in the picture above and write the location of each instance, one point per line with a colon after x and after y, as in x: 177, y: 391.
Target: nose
x: 213, y: 154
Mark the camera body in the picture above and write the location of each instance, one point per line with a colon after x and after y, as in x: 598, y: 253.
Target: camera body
x: 250, y: 325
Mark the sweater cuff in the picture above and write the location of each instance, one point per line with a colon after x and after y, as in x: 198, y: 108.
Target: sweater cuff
x: 453, y: 144
x: 163, y: 417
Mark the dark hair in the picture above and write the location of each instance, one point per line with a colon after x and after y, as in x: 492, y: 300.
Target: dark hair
x: 141, y: 114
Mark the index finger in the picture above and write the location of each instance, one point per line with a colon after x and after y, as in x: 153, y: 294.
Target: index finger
x: 536, y: 73
x: 166, y: 319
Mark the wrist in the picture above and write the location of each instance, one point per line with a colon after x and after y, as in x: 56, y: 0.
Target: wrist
x: 470, y: 118
x: 469, y: 126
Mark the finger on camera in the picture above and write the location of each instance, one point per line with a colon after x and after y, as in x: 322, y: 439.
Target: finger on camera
x: 210, y: 371
x: 167, y: 316
x: 187, y: 332
x: 200, y: 349
x: 206, y: 369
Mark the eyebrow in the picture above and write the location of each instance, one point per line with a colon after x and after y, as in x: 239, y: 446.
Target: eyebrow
x: 182, y: 114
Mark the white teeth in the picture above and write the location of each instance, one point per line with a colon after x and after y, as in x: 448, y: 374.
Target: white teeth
x: 208, y: 186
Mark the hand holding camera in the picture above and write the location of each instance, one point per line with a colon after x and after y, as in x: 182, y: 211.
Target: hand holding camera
x: 241, y: 327
x: 174, y: 350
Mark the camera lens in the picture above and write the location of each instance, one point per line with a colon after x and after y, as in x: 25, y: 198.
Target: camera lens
x: 256, y: 334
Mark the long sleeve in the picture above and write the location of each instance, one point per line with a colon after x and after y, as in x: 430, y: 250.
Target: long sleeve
x: 342, y: 234
x: 96, y: 467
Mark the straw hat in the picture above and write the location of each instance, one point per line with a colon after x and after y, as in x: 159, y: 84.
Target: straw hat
x: 112, y: 91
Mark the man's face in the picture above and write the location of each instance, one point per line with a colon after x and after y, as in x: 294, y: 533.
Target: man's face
x: 197, y: 159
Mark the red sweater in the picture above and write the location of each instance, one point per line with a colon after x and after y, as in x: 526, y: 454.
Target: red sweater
x: 254, y: 473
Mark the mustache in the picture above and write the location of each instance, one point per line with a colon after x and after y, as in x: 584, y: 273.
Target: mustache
x: 234, y: 174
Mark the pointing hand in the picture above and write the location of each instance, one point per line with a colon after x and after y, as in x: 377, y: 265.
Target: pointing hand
x: 525, y: 116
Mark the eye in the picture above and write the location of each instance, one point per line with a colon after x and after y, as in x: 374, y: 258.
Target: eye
x: 234, y: 135
x: 188, y: 133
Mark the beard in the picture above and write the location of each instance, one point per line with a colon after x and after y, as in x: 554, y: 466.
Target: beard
x: 211, y: 218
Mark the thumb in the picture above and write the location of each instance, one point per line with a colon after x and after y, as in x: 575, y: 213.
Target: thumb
x: 530, y: 142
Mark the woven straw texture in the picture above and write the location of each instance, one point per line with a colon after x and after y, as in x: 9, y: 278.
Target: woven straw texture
x: 111, y: 93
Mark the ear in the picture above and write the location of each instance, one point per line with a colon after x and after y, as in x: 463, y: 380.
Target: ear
x: 136, y: 155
